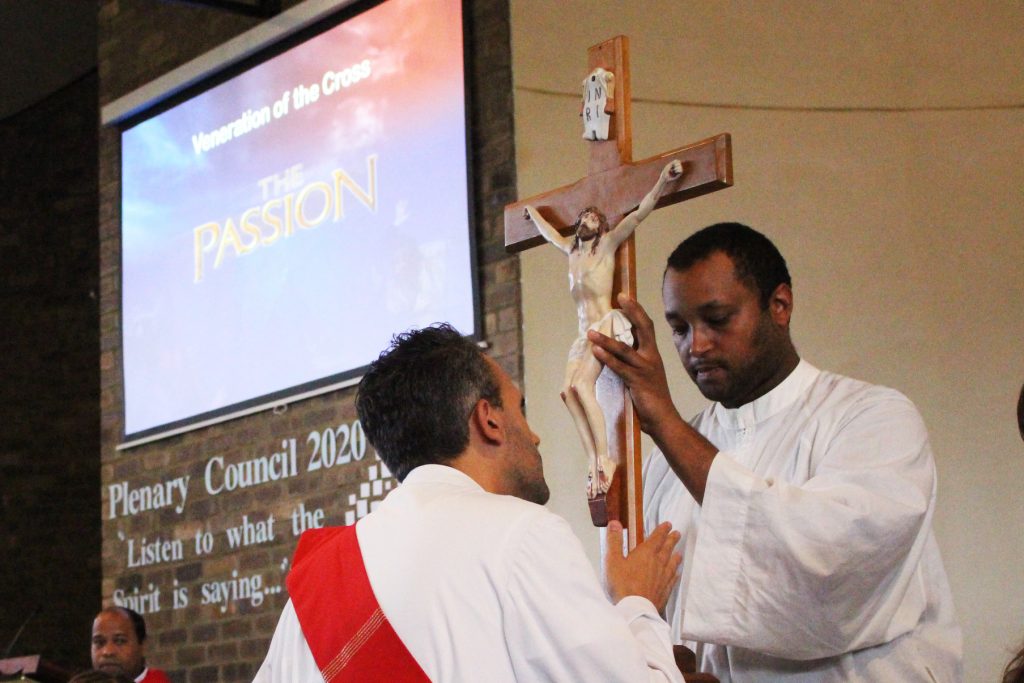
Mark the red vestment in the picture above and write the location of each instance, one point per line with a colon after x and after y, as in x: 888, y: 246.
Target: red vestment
x: 348, y: 634
x: 155, y: 676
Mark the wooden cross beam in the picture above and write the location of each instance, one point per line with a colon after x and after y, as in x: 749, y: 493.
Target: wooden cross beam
x: 616, y: 184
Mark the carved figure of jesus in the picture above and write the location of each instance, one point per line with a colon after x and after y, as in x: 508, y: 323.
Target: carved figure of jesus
x: 591, y: 253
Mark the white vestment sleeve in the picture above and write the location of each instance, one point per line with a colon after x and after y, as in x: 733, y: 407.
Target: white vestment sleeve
x: 827, y: 566
x: 562, y: 627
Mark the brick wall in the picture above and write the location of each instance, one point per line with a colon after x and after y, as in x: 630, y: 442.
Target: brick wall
x: 242, y: 588
x: 49, y: 392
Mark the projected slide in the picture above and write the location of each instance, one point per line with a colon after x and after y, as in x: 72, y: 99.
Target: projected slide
x: 281, y: 226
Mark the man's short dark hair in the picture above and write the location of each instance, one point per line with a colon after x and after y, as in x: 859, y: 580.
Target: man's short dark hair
x: 757, y: 261
x: 414, y: 402
x: 138, y: 623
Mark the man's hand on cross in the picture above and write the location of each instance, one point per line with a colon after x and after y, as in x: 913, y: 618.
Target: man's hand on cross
x: 641, y: 369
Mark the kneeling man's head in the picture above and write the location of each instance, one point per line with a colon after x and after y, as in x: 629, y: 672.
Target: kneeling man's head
x: 433, y: 392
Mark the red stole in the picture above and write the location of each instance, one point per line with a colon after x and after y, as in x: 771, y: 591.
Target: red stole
x: 348, y: 634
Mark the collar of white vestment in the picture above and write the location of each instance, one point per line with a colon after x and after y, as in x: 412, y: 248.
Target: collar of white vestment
x: 440, y: 474
x: 775, y: 401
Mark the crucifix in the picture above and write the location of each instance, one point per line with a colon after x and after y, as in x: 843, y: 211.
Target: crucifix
x: 616, y: 192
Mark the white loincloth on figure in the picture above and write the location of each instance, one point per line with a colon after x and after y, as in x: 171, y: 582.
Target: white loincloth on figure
x: 614, y: 324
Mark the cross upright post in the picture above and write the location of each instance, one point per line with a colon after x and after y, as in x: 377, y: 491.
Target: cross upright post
x: 616, y: 185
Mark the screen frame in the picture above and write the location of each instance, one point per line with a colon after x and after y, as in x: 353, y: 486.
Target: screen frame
x: 260, y: 44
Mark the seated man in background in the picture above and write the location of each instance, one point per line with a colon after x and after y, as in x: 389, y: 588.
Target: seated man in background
x: 460, y: 574
x: 119, y: 645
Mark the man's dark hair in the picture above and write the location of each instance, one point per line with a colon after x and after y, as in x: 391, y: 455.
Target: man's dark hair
x: 1020, y: 412
x: 1014, y: 671
x: 138, y: 623
x: 414, y: 402
x: 757, y: 261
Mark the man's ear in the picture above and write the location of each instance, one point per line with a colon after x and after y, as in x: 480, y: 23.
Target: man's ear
x: 780, y: 305
x: 488, y: 421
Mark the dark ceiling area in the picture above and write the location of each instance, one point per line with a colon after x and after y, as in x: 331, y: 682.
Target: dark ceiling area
x: 46, y: 45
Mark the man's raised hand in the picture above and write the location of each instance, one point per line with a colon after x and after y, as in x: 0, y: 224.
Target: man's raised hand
x: 649, y: 571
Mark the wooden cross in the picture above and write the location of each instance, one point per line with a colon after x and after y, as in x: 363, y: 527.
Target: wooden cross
x: 615, y: 184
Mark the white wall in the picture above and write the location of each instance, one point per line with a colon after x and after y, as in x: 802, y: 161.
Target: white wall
x: 868, y: 145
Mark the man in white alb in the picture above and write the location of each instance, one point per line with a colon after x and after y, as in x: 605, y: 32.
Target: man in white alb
x: 468, y: 577
x: 805, y: 499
